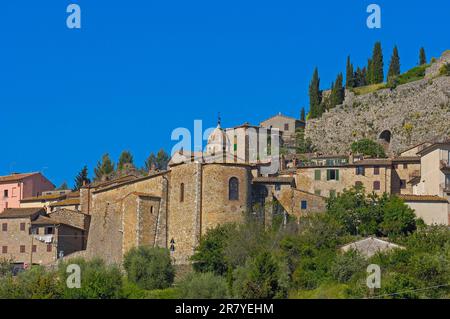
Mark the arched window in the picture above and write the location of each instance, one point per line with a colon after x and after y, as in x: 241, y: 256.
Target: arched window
x: 182, y: 192
x: 233, y: 189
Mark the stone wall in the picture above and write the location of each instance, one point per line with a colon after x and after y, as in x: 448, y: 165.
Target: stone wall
x: 413, y: 113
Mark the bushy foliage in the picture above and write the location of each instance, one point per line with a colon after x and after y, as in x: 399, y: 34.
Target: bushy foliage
x: 149, y: 268
x: 360, y: 214
x: 6, y: 267
x: 368, y: 147
x: 36, y: 283
x: 203, y: 286
x: 445, y: 69
x: 98, y: 280
x: 210, y: 254
x: 347, y: 265
x: 260, y: 278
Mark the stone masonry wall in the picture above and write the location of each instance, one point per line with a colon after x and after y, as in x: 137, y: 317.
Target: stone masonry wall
x: 413, y: 113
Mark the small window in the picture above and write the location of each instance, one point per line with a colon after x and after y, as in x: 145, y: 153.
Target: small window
x: 35, y: 231
x: 332, y: 175
x: 22, y: 226
x: 405, y: 166
x: 233, y: 189
x: 49, y: 230
x: 402, y: 184
x: 33, y: 248
x: 286, y: 127
x: 277, y: 187
x: 360, y: 170
x: 49, y: 248
x: 6, y: 193
x: 4, y: 227
x: 317, y: 175
x: 4, y: 249
x: 304, y: 204
x: 22, y: 249
x: 182, y: 192
x: 376, y: 170
x: 151, y: 209
x: 376, y: 186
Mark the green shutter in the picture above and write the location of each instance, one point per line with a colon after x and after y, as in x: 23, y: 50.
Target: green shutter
x: 328, y: 174
x: 337, y: 174
x: 317, y: 174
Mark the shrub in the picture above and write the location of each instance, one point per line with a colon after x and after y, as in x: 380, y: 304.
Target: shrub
x: 368, y: 147
x: 98, y: 280
x: 203, y: 286
x: 210, y: 254
x: 149, y: 268
x: 6, y: 267
x: 414, y: 74
x: 345, y: 266
x: 260, y: 278
x: 445, y: 69
x: 399, y: 286
x: 398, y: 217
x: 35, y: 283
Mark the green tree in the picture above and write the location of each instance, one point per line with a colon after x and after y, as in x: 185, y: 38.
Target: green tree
x: 394, y: 66
x: 104, y: 167
x: 377, y: 64
x: 63, y: 186
x: 259, y: 279
x: 149, y: 268
x: 302, y: 115
x: 368, y: 147
x: 210, y: 255
x: 350, y: 75
x: 315, y: 99
x: 347, y: 265
x: 162, y: 159
x: 337, y: 92
x: 150, y: 162
x: 369, y: 75
x: 303, y: 145
x: 398, y: 219
x: 422, y: 56
x: 81, y: 179
x: 98, y: 280
x: 203, y: 286
x: 125, y: 158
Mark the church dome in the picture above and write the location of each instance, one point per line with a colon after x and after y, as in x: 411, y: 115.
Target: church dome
x: 218, y: 142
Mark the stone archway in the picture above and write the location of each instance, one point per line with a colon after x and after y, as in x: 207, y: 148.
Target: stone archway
x: 385, y: 139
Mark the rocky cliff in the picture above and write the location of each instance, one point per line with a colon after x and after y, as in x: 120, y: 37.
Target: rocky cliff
x: 409, y: 114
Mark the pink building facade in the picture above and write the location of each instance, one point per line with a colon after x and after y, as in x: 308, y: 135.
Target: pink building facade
x: 16, y: 187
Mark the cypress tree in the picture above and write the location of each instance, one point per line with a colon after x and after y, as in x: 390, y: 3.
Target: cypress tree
x: 125, y: 158
x: 162, y: 159
x: 104, y: 167
x: 422, y: 57
x: 315, y: 106
x: 149, y: 162
x: 369, y: 73
x: 377, y: 64
x: 337, y: 91
x: 394, y: 66
x: 81, y: 178
x: 349, y: 76
x: 302, y: 114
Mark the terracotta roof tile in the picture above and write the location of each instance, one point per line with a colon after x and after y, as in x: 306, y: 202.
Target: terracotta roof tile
x: 21, y: 212
x: 15, y: 177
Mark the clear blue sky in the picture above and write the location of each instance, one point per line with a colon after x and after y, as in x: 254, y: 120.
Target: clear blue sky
x: 138, y: 69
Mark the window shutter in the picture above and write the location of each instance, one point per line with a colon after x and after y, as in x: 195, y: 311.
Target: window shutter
x: 337, y: 174
x: 328, y: 174
x: 317, y: 175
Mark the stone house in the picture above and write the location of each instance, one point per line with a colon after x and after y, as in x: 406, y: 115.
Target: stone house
x: 286, y: 125
x: 328, y: 176
x: 28, y: 236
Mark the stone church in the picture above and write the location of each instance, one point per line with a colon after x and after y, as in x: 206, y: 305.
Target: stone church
x: 174, y: 208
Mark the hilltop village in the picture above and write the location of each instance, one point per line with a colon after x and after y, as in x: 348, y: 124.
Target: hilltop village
x: 174, y: 206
